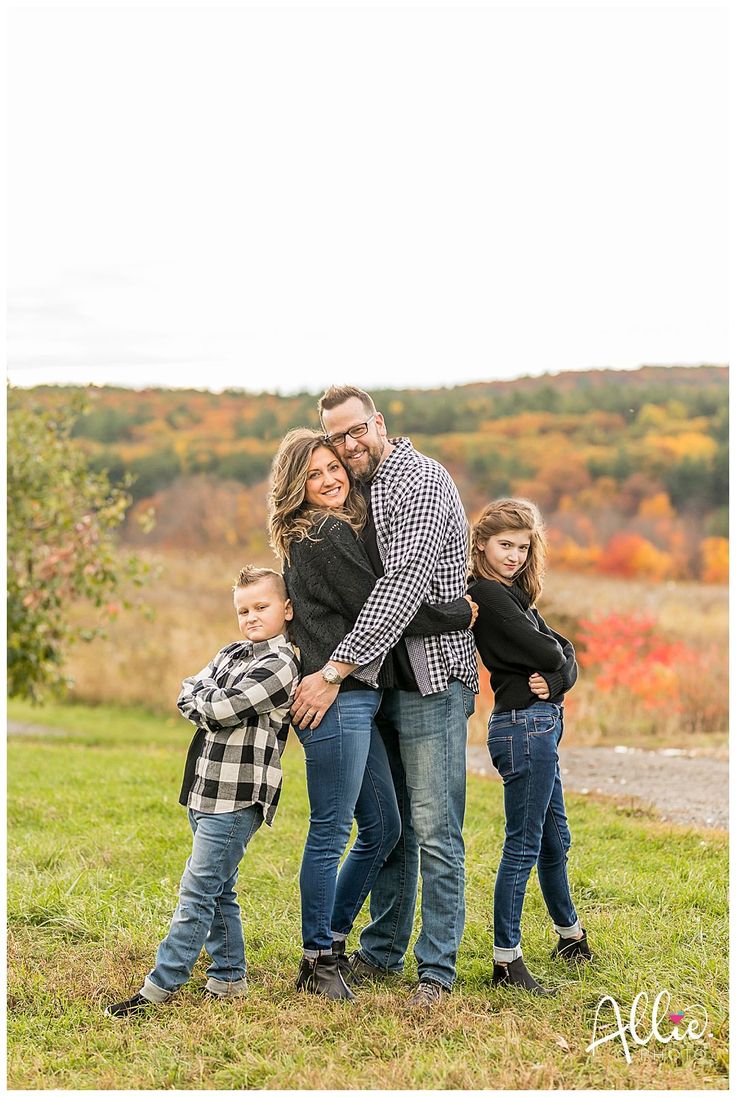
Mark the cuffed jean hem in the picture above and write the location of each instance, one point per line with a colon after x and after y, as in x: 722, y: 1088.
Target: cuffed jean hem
x: 155, y: 993
x: 569, y: 931
x: 235, y: 989
x: 314, y: 953
x: 506, y: 955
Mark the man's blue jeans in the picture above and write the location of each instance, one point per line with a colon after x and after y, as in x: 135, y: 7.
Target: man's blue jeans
x: 207, y: 914
x: 425, y: 740
x: 348, y: 776
x: 523, y: 748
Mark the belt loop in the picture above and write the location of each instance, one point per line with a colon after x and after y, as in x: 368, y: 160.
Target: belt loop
x: 513, y: 715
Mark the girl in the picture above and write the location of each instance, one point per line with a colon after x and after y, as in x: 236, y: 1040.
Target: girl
x: 531, y: 669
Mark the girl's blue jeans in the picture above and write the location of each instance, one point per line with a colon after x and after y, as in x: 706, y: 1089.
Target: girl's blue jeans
x: 207, y: 914
x: 348, y: 777
x: 523, y: 747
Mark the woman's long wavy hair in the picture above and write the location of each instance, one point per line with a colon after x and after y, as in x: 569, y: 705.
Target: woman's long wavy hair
x: 512, y: 514
x: 290, y: 516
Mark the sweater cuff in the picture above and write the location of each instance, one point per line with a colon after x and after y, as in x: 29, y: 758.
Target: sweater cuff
x: 556, y: 681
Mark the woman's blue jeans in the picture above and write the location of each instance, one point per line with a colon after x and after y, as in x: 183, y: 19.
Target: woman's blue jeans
x: 348, y: 777
x: 523, y: 748
x: 207, y: 913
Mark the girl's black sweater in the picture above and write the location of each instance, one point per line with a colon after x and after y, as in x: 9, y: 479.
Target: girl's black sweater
x: 514, y: 641
x: 328, y: 581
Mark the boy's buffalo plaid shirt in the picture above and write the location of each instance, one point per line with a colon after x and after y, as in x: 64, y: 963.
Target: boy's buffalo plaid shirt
x: 240, y: 705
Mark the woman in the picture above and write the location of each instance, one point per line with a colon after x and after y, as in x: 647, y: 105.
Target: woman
x: 316, y: 517
x: 531, y: 669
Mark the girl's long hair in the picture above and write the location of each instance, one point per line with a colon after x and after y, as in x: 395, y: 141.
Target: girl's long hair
x: 512, y: 514
x: 290, y: 516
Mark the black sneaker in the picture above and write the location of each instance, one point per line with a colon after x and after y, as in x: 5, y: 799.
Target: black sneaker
x: 573, y: 950
x: 136, y: 1004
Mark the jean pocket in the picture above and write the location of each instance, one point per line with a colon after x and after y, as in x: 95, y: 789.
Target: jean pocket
x: 501, y: 750
x: 544, y: 725
x: 468, y: 702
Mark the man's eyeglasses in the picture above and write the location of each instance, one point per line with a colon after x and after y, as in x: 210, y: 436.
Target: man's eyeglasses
x: 355, y: 432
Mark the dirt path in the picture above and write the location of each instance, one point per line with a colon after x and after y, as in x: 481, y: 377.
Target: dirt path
x: 682, y: 787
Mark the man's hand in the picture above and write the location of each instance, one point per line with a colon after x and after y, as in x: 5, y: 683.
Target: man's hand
x: 473, y: 609
x: 313, y: 697
x: 538, y: 686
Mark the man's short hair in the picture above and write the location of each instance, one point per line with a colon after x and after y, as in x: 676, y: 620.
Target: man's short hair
x: 338, y: 394
x: 251, y: 574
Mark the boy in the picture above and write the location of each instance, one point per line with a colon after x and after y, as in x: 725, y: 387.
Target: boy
x: 240, y: 705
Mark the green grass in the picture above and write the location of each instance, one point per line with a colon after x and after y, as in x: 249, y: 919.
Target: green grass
x: 97, y: 843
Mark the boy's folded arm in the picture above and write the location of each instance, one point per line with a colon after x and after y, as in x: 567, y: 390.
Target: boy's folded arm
x: 268, y: 684
x: 185, y: 701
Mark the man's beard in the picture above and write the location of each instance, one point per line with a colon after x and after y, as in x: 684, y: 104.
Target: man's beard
x: 365, y: 474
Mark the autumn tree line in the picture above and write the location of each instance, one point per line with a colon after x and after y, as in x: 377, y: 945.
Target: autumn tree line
x: 629, y: 467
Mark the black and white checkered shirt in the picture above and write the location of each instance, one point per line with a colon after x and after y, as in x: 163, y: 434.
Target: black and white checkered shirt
x: 240, y: 705
x: 422, y: 535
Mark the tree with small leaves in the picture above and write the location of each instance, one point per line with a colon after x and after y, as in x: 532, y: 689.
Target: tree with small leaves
x: 61, y: 549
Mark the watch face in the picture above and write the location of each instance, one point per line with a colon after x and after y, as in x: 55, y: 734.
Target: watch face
x: 330, y: 675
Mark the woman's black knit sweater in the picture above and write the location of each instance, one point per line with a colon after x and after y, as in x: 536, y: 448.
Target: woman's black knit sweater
x: 514, y: 641
x: 328, y: 580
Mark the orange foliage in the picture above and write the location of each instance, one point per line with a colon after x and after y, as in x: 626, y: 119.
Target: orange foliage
x: 566, y: 553
x: 714, y: 551
x: 657, y: 506
x: 628, y: 555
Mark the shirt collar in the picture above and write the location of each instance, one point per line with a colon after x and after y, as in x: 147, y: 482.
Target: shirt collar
x: 260, y: 647
x: 396, y: 460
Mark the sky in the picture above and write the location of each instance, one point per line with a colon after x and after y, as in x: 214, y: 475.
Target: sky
x: 278, y: 199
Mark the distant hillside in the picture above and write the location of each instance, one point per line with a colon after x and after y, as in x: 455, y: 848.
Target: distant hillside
x: 630, y: 467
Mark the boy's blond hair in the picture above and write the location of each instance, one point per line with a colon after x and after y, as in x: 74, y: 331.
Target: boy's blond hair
x: 251, y: 574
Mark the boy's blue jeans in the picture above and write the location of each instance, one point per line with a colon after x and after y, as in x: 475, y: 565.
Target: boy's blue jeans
x: 425, y: 741
x: 207, y: 914
x: 523, y: 748
x: 348, y: 776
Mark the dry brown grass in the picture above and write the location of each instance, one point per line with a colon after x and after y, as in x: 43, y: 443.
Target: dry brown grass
x: 143, y: 661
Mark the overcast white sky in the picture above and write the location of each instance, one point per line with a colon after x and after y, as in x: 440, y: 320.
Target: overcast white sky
x: 278, y: 199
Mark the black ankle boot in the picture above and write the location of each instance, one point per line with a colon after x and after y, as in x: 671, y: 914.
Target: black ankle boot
x: 322, y: 976
x: 338, y: 950
x: 515, y: 974
x: 572, y: 950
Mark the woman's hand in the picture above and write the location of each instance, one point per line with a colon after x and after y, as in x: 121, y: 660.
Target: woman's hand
x: 473, y: 609
x: 538, y: 686
x: 313, y: 697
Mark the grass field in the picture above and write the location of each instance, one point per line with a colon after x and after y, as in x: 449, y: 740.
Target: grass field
x: 96, y: 847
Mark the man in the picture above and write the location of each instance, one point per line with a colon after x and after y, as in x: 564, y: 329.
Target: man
x: 417, y: 536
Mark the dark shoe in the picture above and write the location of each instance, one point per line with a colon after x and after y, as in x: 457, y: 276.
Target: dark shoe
x: 425, y: 996
x: 343, y: 964
x: 572, y: 950
x: 363, y: 972
x: 136, y: 1004
x: 515, y: 974
x: 322, y: 976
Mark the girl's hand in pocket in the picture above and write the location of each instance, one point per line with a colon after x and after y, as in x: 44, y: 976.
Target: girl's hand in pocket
x: 538, y: 686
